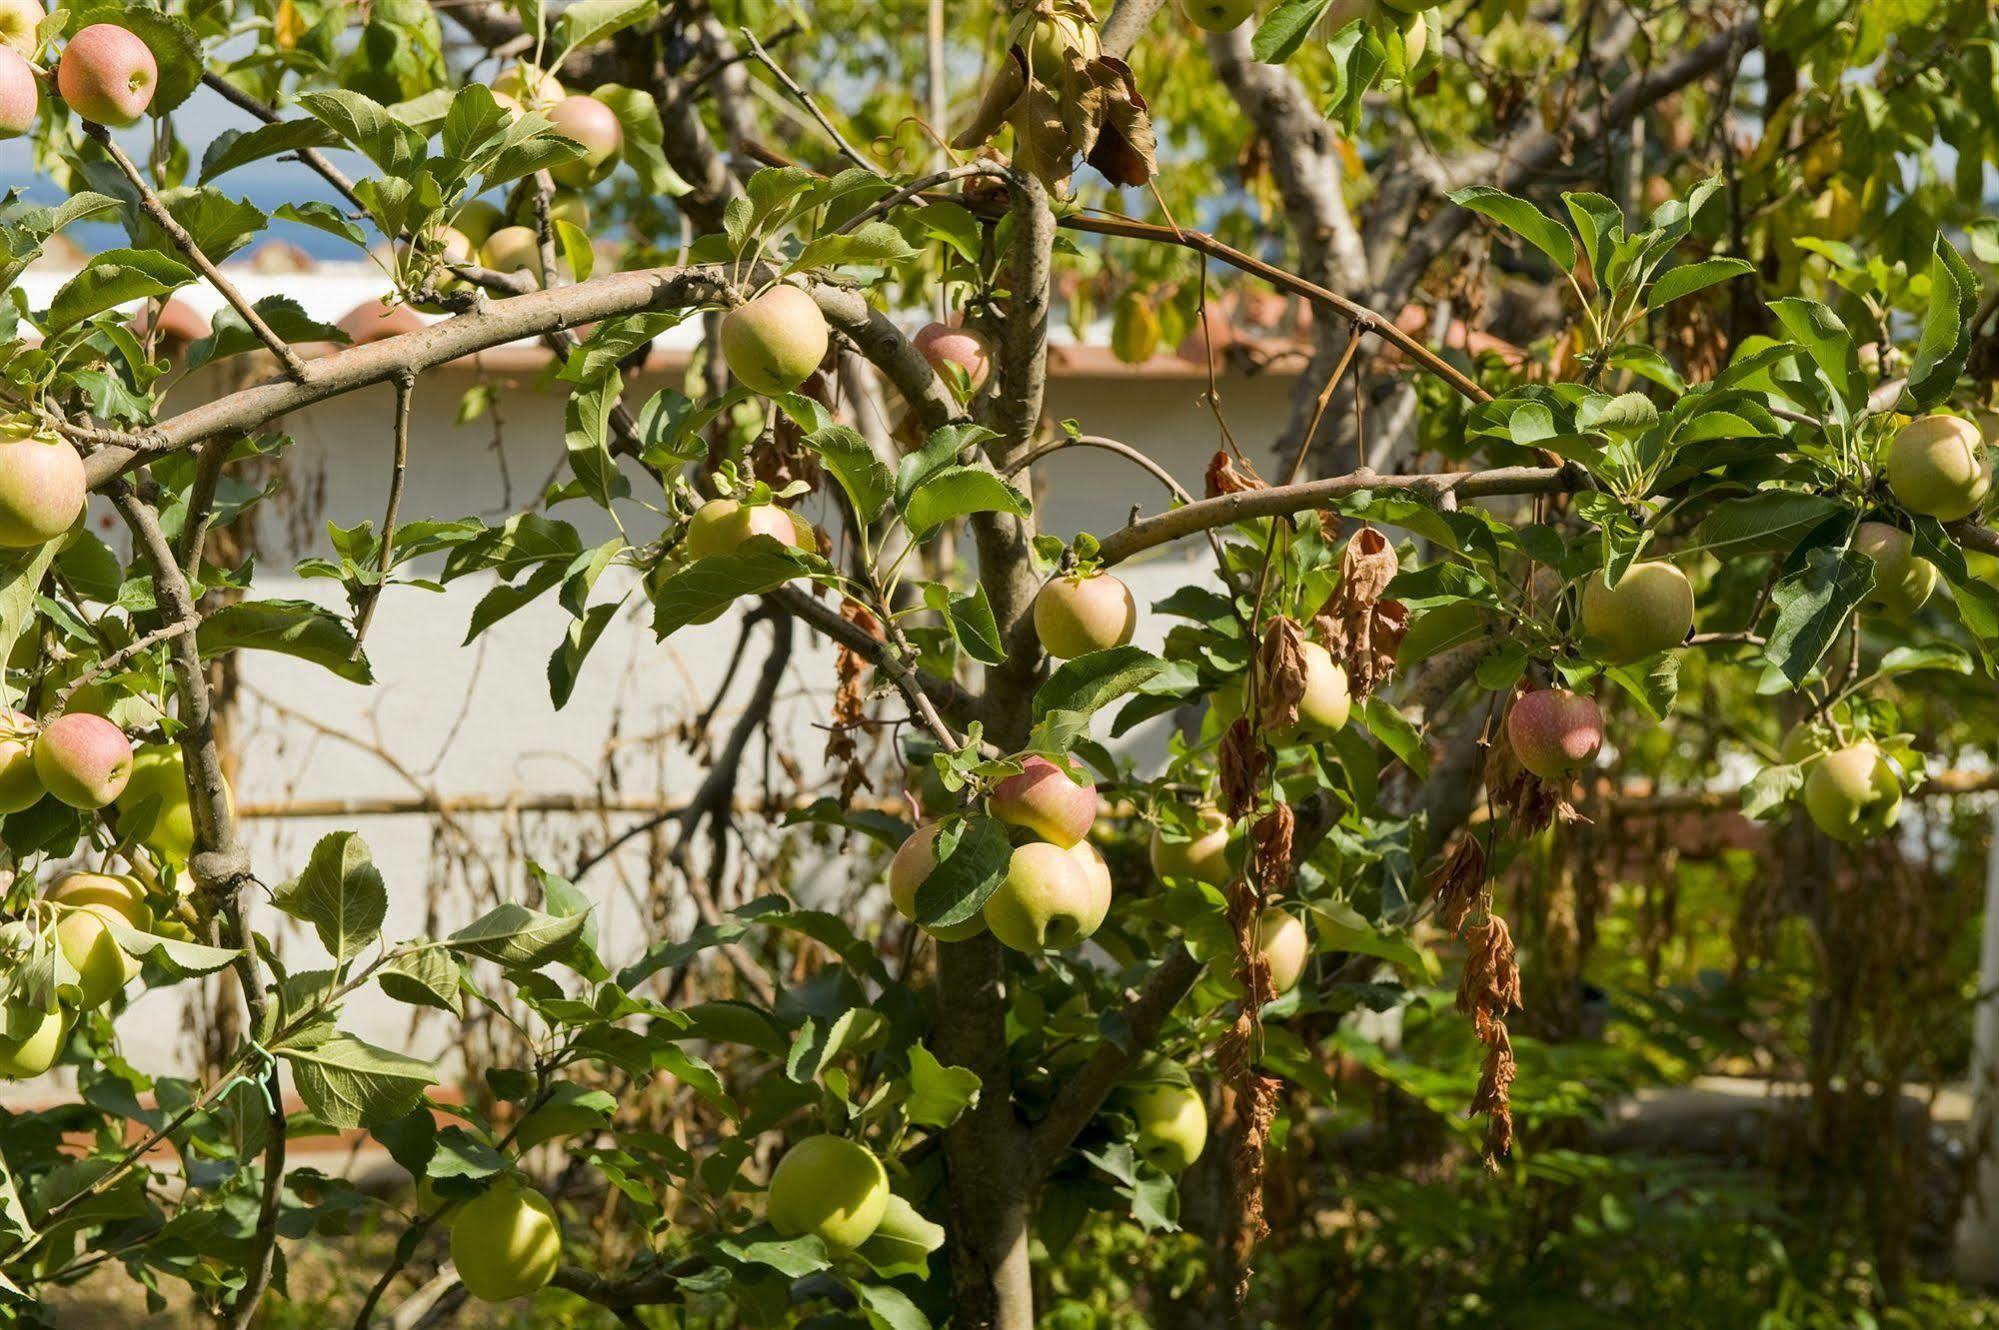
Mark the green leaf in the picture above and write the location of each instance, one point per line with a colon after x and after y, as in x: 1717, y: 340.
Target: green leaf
x: 938, y: 1094
x: 290, y: 627
x: 1770, y: 520
x: 21, y: 573
x: 323, y: 217
x: 348, y: 1083
x: 589, y: 21
x: 1826, y: 340
x: 1813, y: 604
x: 1692, y: 277
x: 643, y: 151
x: 1946, y: 339
x: 366, y: 124
x: 1343, y: 928
x: 902, y: 1244
x: 340, y: 894
x: 1387, y: 723
x: 708, y: 586
x: 113, y: 278
x: 1524, y: 219
x: 179, y: 958
x: 586, y: 435
x: 957, y: 491
x: 977, y: 630
x: 1090, y: 681
x: 239, y: 147
x: 875, y: 244
x: 1285, y: 28
x: 889, y: 1308
x: 423, y: 978
x: 516, y: 937
x: 973, y: 858
x: 863, y: 476
x: 229, y: 335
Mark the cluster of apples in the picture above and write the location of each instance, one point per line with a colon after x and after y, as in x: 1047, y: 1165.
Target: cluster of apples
x: 83, y: 908
x: 1935, y: 466
x: 106, y: 74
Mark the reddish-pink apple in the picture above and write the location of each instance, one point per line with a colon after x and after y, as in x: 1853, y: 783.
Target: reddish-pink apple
x: 107, y: 75
x: 1043, y: 799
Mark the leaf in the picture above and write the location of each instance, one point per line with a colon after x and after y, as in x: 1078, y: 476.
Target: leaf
x: 977, y: 630
x: 230, y: 336
x: 21, y: 573
x: 589, y: 21
x: 973, y: 858
x: 113, y: 278
x: 290, y: 627
x: 1691, y: 277
x: 1285, y: 28
x: 939, y: 452
x: 958, y: 491
x: 702, y: 589
x: 903, y: 1243
x: 425, y: 977
x: 179, y: 958
x: 1946, y: 339
x: 889, y: 1308
x: 367, y: 125
x: 875, y: 244
x: 348, y: 1083
x: 1088, y: 682
x: 1826, y: 341
x: 938, y: 1094
x: 1387, y: 723
x: 516, y: 937
x: 340, y: 894
x: 1343, y: 928
x: 1813, y: 604
x: 643, y: 151
x: 861, y: 474
x: 1770, y: 520
x: 1524, y: 219
x: 239, y: 147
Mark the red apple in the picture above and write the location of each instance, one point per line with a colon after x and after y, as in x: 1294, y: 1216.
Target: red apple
x: 1045, y: 801
x: 720, y: 526
x: 84, y: 760
x: 1554, y: 731
x: 596, y: 127
x: 1075, y: 615
x: 107, y: 75
x: 969, y: 350
x: 20, y: 94
x: 42, y: 489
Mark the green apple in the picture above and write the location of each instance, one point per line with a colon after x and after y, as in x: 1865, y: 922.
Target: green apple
x: 1326, y: 703
x: 720, y: 526
x: 1172, y: 1125
x: 1049, y: 899
x: 774, y: 342
x: 1853, y: 794
x: 506, y: 1242
x: 1651, y: 609
x: 29, y: 1041
x: 1218, y: 15
x: 1285, y: 946
x: 42, y: 487
x: 911, y: 867
x: 154, y: 805
x: 1903, y: 579
x: 20, y: 787
x: 1077, y: 614
x: 1937, y: 467
x: 103, y: 969
x: 1200, y: 853
x: 831, y: 1187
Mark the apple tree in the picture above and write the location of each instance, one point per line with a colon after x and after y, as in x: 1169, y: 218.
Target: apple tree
x: 1736, y: 422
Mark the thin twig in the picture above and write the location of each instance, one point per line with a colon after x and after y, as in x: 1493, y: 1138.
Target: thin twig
x: 150, y: 202
x: 115, y: 660
x: 398, y: 468
x: 804, y: 98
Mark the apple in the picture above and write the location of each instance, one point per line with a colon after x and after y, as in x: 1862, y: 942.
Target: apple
x: 506, y: 1242
x: 1048, y: 900
x: 903, y: 1238
x: 971, y: 351
x: 1853, y: 793
x: 1097, y: 874
x: 1285, y: 946
x: 1077, y: 614
x: 1202, y: 856
x: 103, y: 969
x: 477, y: 219
x: 123, y: 896
x: 1554, y: 731
x: 20, y: 787
x: 1043, y: 799
x: 1217, y: 15
x: 1651, y: 609
x: 29, y: 1043
x: 20, y: 94
x: 720, y: 526
x: 595, y: 126
x: 513, y: 249
x: 19, y: 22
x: 1410, y: 6
x: 525, y: 88
x: 1048, y: 50
x: 1326, y: 703
x: 159, y: 771
x: 911, y: 867
x: 42, y: 488
x: 1937, y: 467
x: 831, y: 1187
x: 107, y: 75
x: 1172, y: 1125
x: 83, y: 760
x: 774, y: 342
x: 1343, y: 12
x: 1903, y: 579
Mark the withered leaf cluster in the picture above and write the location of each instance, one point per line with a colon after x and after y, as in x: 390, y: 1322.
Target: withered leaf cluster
x: 1078, y: 104
x: 1362, y: 630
